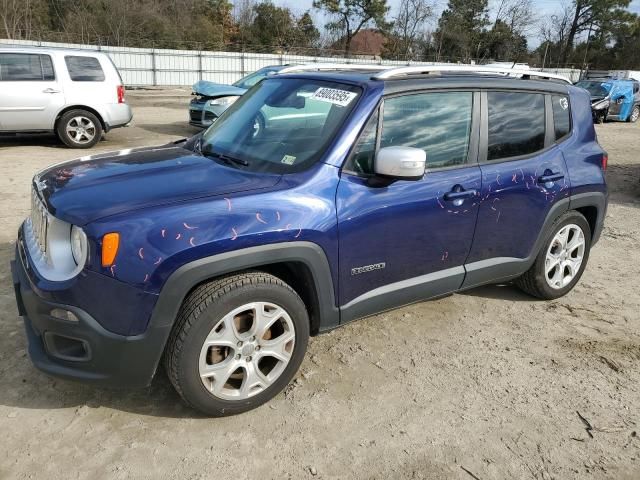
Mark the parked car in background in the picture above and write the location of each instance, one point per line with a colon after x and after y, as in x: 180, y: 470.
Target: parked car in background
x: 613, y: 99
x: 211, y: 99
x: 219, y: 255
x: 76, y: 94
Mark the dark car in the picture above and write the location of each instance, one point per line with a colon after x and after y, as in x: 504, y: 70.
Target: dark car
x: 218, y: 256
x: 613, y: 99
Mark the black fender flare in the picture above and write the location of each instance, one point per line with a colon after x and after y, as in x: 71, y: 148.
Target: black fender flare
x: 186, y: 277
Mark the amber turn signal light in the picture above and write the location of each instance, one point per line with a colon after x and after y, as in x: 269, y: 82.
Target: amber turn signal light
x: 110, y: 244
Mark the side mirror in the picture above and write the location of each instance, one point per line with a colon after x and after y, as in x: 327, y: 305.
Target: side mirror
x: 406, y: 163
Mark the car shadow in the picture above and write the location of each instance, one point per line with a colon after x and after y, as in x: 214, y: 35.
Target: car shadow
x: 30, y: 140
x: 503, y: 291
x: 623, y: 182
x: 182, y: 129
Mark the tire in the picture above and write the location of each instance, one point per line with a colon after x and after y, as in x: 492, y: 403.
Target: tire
x: 225, y: 312
x: 635, y: 114
x: 79, y: 129
x: 536, y: 281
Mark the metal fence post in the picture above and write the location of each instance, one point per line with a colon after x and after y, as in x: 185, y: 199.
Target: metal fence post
x: 199, y: 64
x: 242, y: 62
x: 154, y: 72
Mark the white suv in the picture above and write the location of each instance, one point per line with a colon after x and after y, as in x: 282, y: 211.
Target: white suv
x: 78, y: 94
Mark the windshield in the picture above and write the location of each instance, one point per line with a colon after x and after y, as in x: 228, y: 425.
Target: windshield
x: 596, y: 89
x: 281, y: 125
x: 253, y: 78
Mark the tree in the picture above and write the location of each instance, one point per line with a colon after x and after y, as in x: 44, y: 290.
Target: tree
x: 460, y: 29
x: 591, y: 15
x: 351, y: 16
x: 409, y: 27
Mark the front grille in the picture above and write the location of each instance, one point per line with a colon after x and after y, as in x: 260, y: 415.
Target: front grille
x: 195, y: 115
x: 39, y: 221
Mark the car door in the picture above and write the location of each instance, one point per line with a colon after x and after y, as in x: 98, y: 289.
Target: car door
x: 30, y: 92
x: 524, y: 177
x: 402, y: 241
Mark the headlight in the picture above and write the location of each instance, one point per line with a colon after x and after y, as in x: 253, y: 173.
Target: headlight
x: 78, y: 245
x: 224, y: 101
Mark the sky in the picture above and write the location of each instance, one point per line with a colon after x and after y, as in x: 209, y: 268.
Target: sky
x: 544, y: 8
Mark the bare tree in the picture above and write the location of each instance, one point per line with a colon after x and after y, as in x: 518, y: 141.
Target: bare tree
x: 518, y: 15
x: 409, y: 26
x: 17, y: 17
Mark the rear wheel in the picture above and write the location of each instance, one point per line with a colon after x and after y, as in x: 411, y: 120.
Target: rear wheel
x: 79, y: 129
x: 237, y: 343
x: 562, y: 259
x: 635, y: 114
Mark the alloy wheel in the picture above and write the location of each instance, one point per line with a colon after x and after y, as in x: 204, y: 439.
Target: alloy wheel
x: 246, y: 351
x: 564, y: 256
x: 81, y: 129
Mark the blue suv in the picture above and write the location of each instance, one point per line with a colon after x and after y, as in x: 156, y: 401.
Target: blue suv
x: 219, y: 255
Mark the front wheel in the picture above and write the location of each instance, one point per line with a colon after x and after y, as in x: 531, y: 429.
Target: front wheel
x: 562, y: 259
x: 237, y: 343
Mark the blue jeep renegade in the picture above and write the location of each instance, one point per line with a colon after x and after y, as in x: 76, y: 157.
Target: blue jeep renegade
x: 218, y: 256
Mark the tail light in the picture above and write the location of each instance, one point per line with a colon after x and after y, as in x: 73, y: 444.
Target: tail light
x: 605, y: 161
x: 120, y: 93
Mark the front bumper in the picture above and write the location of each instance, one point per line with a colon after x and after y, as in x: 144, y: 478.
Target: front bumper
x: 201, y: 115
x: 83, y: 350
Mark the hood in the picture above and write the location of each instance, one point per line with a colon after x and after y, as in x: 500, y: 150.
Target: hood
x: 211, y: 89
x: 89, y: 188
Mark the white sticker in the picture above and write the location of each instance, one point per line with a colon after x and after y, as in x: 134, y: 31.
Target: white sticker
x: 333, y: 95
x: 288, y: 159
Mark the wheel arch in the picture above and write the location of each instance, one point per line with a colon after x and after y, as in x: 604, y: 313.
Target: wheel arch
x: 303, y: 265
x: 66, y: 109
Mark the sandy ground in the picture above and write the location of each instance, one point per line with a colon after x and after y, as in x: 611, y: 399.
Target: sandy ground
x: 488, y: 384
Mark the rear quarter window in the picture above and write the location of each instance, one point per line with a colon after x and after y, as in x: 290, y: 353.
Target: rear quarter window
x: 84, y: 69
x: 561, y: 116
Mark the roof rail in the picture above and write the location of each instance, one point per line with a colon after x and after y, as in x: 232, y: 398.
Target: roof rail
x: 426, y: 69
x: 332, y: 66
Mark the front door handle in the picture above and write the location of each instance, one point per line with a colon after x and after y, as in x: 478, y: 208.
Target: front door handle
x: 550, y: 177
x: 459, y: 195
x: 50, y: 90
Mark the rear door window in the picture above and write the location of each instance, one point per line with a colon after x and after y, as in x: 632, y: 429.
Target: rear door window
x: 516, y: 124
x: 84, y: 69
x: 561, y: 119
x: 25, y: 67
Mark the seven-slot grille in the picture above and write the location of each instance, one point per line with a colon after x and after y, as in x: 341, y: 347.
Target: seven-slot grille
x: 39, y: 221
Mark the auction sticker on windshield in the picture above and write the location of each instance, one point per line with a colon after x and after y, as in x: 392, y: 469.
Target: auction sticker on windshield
x: 334, y: 95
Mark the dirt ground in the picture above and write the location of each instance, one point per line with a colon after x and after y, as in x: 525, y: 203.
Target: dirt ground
x: 488, y: 384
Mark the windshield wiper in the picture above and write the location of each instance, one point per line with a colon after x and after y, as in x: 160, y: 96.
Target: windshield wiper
x: 225, y: 158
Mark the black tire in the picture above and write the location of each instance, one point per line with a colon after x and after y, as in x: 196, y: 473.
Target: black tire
x: 94, y: 129
x: 202, y: 311
x: 533, y: 281
x: 634, y: 115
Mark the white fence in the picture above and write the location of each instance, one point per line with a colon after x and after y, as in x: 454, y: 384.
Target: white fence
x: 151, y: 66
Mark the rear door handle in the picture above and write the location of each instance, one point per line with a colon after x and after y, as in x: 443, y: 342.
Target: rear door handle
x: 50, y: 90
x: 460, y: 195
x: 550, y: 177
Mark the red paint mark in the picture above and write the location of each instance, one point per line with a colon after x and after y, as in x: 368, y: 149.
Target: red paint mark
x: 278, y: 215
x: 113, y: 270
x: 228, y: 204
x: 188, y: 227
x: 514, y: 178
x: 141, y: 254
x: 192, y: 242
x: 260, y: 219
x: 235, y: 233
x: 179, y: 236
x: 157, y: 262
x: 445, y: 255
x: 299, y: 232
x: 163, y: 233
x: 146, y: 278
x: 438, y: 200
